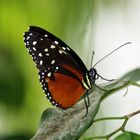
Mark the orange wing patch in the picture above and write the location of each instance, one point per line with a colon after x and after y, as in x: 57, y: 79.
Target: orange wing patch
x: 65, y: 90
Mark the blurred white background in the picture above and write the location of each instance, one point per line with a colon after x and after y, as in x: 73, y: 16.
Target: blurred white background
x: 116, y: 25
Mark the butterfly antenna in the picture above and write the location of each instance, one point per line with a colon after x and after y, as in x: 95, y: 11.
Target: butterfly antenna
x: 111, y: 53
x: 92, y: 58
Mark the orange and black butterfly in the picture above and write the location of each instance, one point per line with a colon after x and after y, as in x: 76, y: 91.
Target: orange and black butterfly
x: 63, y: 76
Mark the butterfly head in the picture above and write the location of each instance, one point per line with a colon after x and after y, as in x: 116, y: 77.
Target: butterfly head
x: 93, y: 75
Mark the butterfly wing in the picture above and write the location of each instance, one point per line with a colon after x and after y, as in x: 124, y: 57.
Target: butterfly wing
x: 61, y: 71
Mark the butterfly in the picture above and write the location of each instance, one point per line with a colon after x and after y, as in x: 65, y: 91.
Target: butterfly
x: 63, y: 75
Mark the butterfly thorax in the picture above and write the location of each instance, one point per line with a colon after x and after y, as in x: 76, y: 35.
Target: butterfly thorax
x: 89, y: 78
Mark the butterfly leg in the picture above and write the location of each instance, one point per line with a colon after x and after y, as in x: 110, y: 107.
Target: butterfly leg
x: 109, y: 80
x: 87, y: 104
x: 100, y: 88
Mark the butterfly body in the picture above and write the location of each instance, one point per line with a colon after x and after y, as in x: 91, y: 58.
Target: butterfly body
x: 63, y: 76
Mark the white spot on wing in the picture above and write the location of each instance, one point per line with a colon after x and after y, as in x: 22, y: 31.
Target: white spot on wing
x: 34, y: 42
x: 41, y: 62
x: 40, y: 54
x: 56, y: 68
x: 68, y: 48
x: 56, y: 42
x: 53, y: 61
x: 27, y: 43
x: 34, y: 57
x: 60, y: 51
x: 53, y: 102
x: 63, y: 48
x: 47, y: 54
x: 34, y: 48
x: 27, y: 37
x: 49, y: 97
x: 46, y: 50
x: 46, y: 35
x: 49, y: 74
x: 52, y: 46
x: 30, y: 34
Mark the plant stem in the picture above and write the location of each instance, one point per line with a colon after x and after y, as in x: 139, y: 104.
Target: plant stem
x: 121, y: 128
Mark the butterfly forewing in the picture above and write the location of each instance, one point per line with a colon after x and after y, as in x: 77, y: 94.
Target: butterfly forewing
x: 61, y: 71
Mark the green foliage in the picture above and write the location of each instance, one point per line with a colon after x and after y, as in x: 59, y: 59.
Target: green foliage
x: 128, y: 136
x: 17, y: 137
x: 11, y: 80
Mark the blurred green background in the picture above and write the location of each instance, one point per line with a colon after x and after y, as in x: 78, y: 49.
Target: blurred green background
x: 82, y: 24
x: 22, y: 100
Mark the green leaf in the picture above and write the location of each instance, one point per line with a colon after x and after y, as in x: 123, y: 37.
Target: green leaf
x: 128, y: 136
